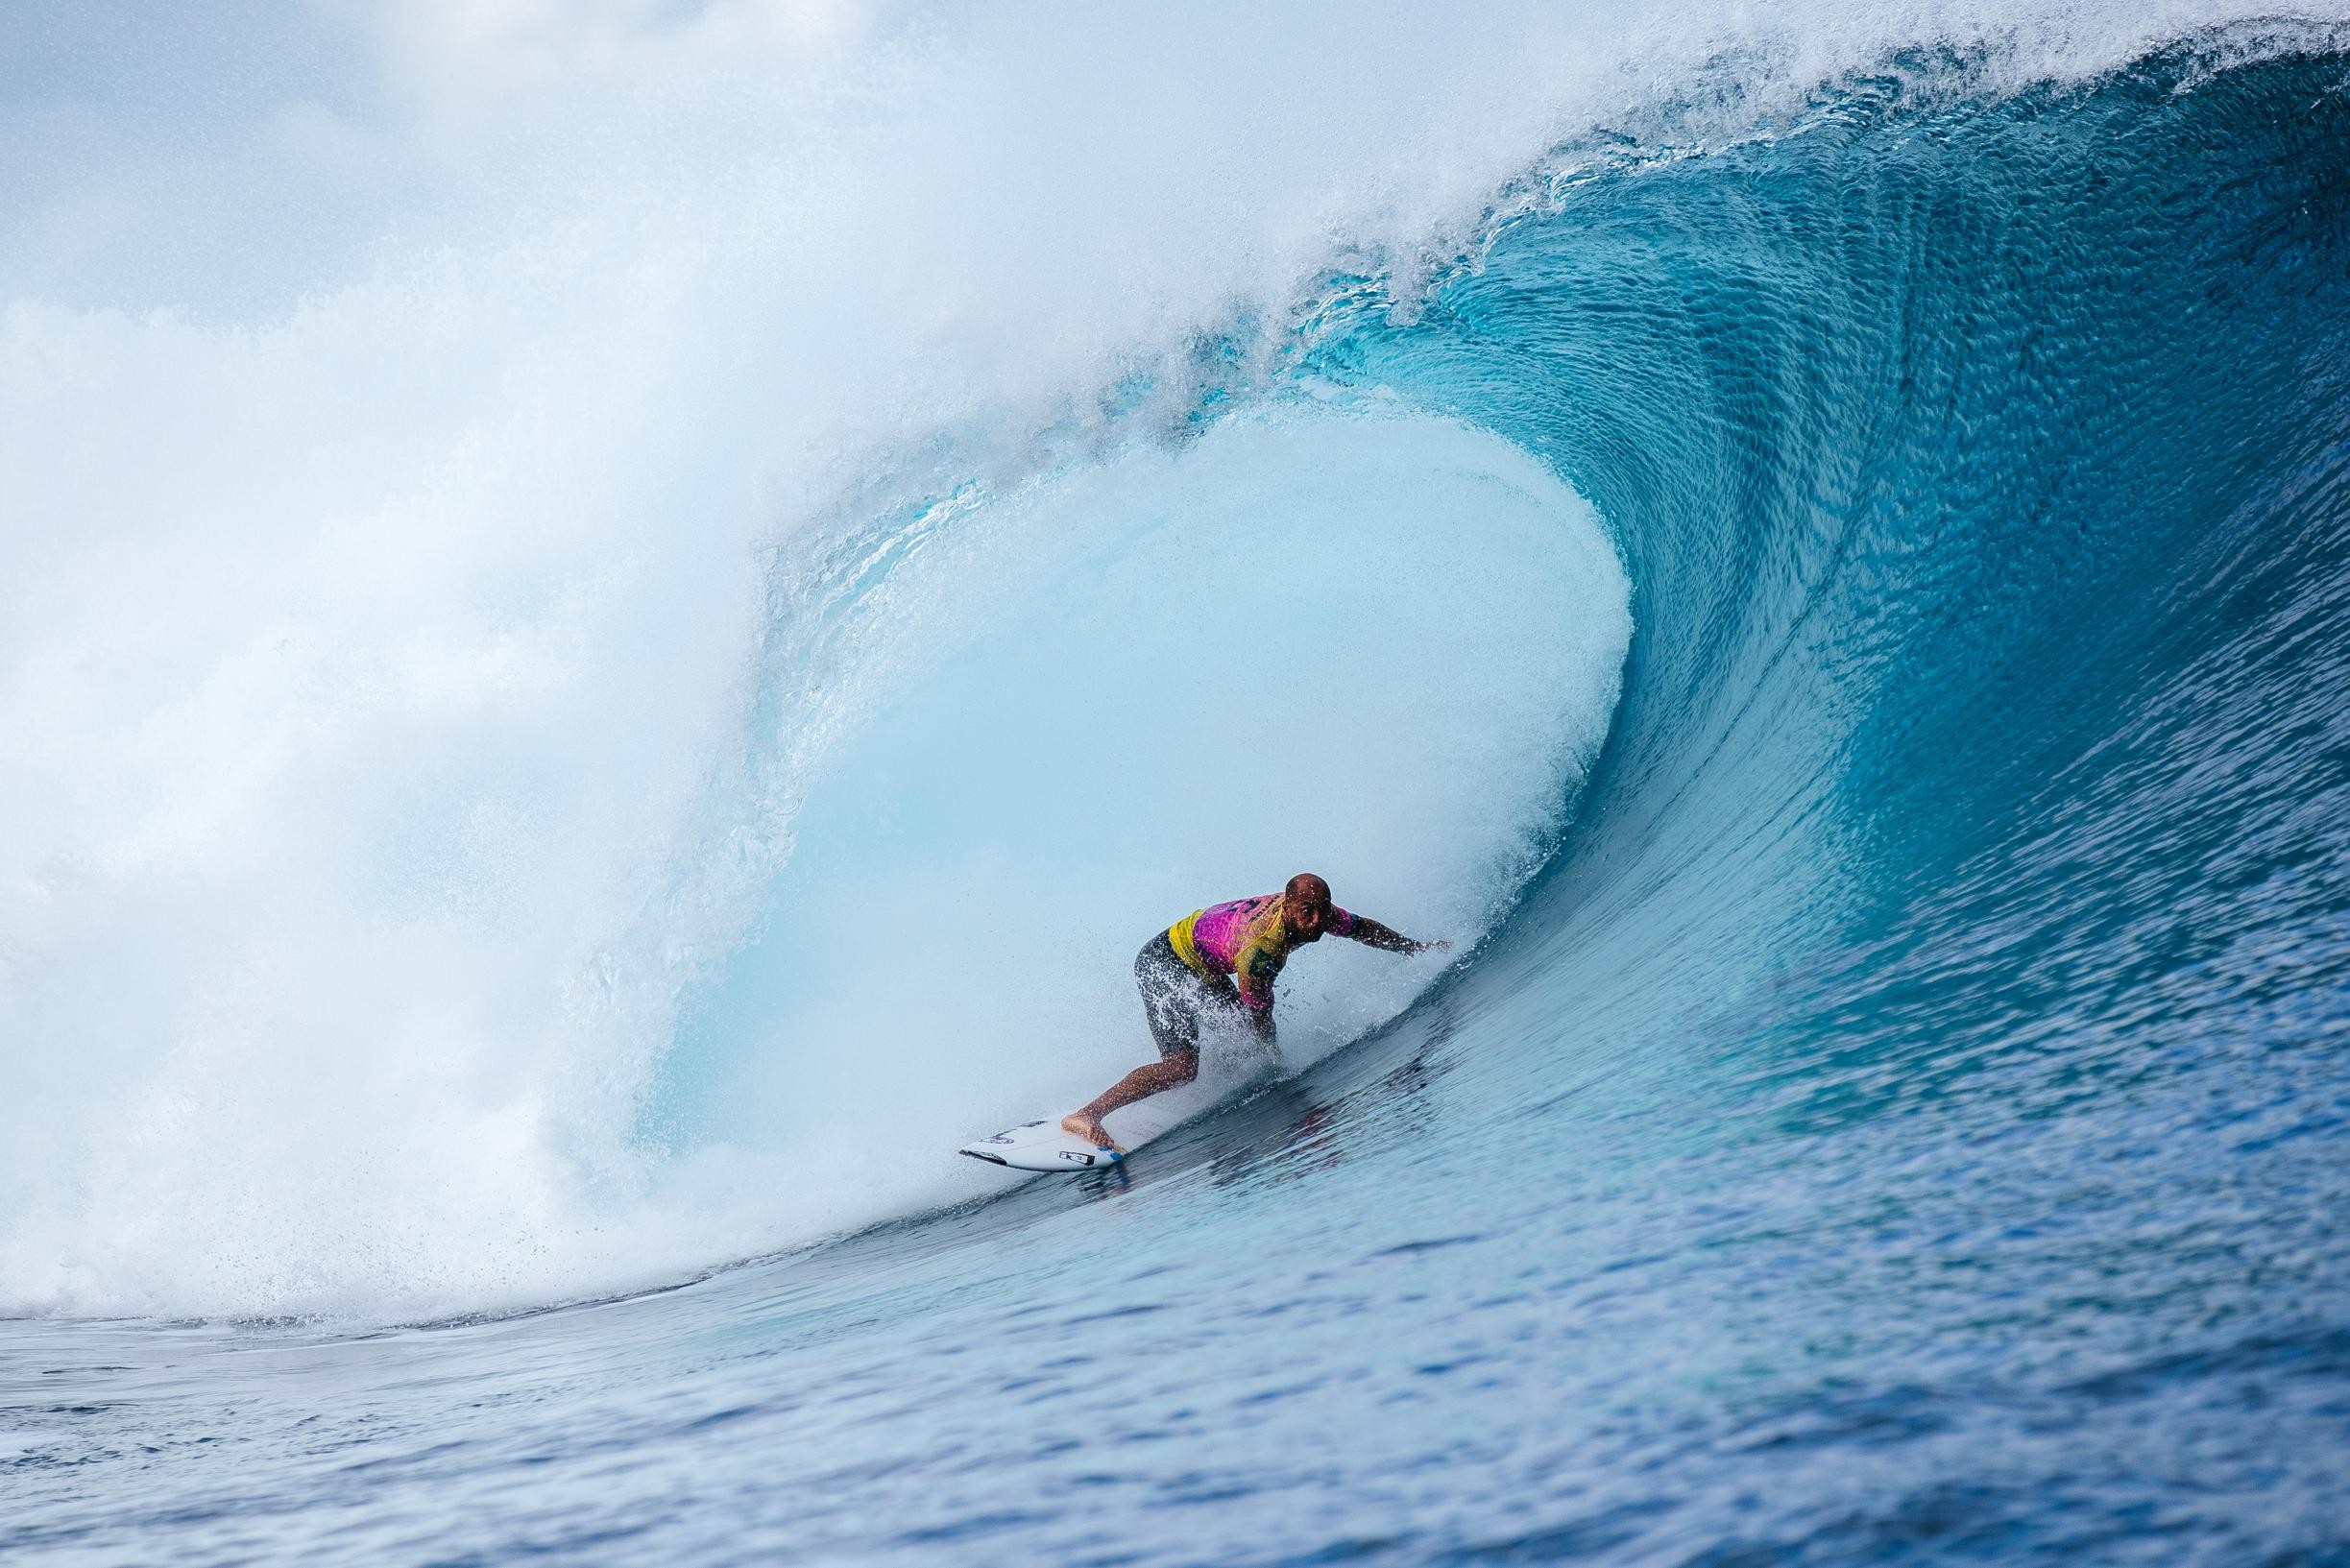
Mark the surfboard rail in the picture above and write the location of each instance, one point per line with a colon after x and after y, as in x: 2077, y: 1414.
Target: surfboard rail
x: 1042, y: 1146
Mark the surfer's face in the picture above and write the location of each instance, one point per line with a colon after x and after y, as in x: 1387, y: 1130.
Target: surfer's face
x: 1304, y: 915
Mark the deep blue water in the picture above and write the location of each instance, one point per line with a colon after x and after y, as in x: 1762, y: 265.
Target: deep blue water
x: 1908, y: 1118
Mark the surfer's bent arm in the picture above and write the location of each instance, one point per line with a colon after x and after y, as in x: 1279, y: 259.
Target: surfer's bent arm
x: 1372, y: 935
x: 1255, y: 979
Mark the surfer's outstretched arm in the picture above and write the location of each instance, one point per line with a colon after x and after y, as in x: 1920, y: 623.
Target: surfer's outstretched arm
x: 1387, y: 938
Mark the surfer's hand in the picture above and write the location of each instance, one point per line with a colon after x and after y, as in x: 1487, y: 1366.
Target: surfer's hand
x: 1440, y: 945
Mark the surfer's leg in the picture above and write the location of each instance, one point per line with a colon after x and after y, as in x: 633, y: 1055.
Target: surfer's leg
x: 1170, y: 1003
x: 1178, y: 1068
x: 1172, y: 996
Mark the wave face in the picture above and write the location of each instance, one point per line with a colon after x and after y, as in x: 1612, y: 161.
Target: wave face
x: 1860, y: 578
x: 1979, y: 471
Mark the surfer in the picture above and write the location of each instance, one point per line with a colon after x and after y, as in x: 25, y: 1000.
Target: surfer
x: 1219, y: 963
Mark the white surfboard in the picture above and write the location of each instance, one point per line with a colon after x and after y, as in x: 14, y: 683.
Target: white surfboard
x: 1042, y: 1146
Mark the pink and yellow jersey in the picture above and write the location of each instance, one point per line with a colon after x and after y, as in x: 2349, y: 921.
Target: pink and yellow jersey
x: 1245, y: 940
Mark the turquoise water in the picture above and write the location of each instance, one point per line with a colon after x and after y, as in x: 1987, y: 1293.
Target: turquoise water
x: 1895, y: 1108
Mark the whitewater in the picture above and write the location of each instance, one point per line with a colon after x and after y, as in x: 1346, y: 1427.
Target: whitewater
x: 619, y: 616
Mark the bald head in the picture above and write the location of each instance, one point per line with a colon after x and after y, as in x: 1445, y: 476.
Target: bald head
x: 1305, y: 906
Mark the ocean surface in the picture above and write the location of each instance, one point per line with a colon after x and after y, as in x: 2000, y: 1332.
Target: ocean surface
x: 619, y: 619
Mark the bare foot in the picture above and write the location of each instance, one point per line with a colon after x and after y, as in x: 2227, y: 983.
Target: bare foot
x: 1089, y: 1128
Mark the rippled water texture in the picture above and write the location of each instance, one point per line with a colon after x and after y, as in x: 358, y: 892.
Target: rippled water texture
x: 1905, y: 1122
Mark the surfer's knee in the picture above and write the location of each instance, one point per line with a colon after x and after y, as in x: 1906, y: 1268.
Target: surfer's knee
x: 1186, y: 1064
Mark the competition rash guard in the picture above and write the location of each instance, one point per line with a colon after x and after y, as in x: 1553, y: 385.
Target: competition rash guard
x: 1245, y: 940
